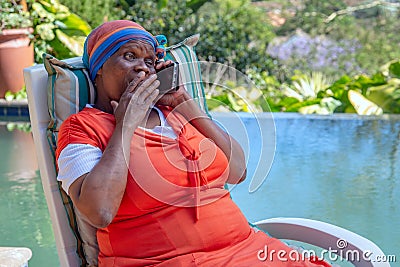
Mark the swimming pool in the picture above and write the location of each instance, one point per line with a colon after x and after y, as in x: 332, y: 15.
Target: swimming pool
x: 24, y: 220
x: 339, y: 169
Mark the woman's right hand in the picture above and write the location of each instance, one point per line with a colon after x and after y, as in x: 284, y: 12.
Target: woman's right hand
x: 105, y: 192
x: 135, y: 102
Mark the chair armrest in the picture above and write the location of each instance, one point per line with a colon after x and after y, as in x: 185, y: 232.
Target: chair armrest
x: 327, y: 236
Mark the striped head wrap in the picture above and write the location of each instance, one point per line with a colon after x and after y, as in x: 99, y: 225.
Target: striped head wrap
x: 106, y: 39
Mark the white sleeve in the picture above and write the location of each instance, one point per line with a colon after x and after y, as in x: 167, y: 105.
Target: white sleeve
x: 76, y: 160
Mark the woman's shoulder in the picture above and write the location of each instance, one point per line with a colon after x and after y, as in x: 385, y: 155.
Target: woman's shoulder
x: 89, y: 126
x: 89, y: 121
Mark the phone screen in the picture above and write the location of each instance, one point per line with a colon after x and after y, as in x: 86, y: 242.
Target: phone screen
x: 169, y: 78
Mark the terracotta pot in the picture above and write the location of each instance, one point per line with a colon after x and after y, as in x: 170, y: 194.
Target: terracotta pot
x: 16, y: 53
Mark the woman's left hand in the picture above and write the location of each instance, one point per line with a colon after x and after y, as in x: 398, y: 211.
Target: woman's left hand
x: 185, y: 105
x: 160, y: 65
x: 173, y: 99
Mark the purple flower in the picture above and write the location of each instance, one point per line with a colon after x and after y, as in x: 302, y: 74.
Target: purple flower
x: 301, y: 51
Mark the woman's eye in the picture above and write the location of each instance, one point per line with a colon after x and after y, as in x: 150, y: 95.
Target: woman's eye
x: 129, y: 56
x: 149, y: 62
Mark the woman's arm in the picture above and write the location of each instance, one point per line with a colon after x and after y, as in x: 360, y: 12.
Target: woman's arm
x: 186, y: 106
x: 98, y: 194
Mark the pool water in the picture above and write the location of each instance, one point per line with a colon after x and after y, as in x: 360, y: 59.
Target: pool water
x: 24, y: 220
x: 343, y: 170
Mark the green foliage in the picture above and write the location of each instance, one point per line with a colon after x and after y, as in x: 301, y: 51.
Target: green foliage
x: 237, y: 33
x: 12, y: 16
x: 311, y: 15
x: 236, y: 98
x: 386, y: 96
x: 20, y: 95
x: 379, y: 38
x: 374, y: 29
x: 271, y: 89
x: 20, y: 126
x: 310, y: 91
x: 94, y: 12
x: 393, y: 69
x: 195, y: 4
x: 381, y: 89
x: 314, y: 93
x: 57, y: 31
x: 307, y: 86
x: 168, y: 20
x: 233, y: 32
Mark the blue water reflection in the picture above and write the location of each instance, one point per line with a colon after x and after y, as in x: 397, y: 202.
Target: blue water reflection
x: 342, y: 170
x: 24, y: 220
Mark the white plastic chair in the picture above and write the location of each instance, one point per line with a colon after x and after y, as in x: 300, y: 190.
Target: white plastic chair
x: 313, y: 232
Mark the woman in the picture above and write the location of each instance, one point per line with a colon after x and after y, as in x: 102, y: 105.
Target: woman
x: 151, y: 178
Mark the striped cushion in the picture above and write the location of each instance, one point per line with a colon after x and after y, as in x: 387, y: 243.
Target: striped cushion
x: 184, y: 53
x: 70, y: 89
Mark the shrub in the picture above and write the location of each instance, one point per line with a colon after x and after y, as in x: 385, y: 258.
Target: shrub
x: 57, y: 31
x: 233, y: 32
x: 12, y: 16
x: 168, y: 20
x: 310, y: 17
x: 372, y: 31
x: 94, y: 12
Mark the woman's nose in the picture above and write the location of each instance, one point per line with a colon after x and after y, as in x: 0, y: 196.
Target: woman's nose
x: 142, y: 66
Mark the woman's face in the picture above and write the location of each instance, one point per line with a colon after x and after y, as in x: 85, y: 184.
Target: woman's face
x: 123, y: 66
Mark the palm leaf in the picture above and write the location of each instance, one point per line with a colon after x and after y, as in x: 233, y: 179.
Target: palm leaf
x: 362, y: 105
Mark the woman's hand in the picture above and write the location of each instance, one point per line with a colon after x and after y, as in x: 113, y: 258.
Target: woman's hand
x: 160, y: 65
x: 135, y: 102
x: 104, y: 186
x: 174, y: 99
x: 183, y: 103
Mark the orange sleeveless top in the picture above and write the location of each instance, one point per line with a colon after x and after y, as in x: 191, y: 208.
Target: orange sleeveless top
x: 175, y: 210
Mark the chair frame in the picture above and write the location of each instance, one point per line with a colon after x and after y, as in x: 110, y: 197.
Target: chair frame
x: 313, y: 232
x: 36, y: 87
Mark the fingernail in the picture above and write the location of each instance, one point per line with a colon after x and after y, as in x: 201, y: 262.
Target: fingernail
x: 141, y: 74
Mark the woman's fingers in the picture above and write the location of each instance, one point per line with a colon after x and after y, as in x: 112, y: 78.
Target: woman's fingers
x: 132, y: 85
x: 138, y: 96
x: 144, y: 94
x: 150, y: 99
x: 143, y: 84
x: 136, y: 101
x: 163, y: 64
x: 136, y: 81
x: 146, y: 89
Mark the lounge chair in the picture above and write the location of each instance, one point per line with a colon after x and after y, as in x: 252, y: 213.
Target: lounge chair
x: 313, y: 232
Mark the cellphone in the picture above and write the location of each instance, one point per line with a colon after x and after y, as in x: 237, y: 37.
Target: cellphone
x: 169, y: 78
